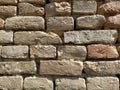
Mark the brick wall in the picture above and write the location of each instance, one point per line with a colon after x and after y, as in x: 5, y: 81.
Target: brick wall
x: 59, y: 44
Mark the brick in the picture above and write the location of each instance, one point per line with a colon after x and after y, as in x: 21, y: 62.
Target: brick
x: 42, y: 51
x: 88, y: 36
x: 58, y: 9
x: 27, y: 9
x: 1, y: 23
x: 84, y: 7
x: 99, y: 51
x: 101, y: 68
x: 61, y: 68
x: 11, y: 83
x: 25, y: 23
x: 28, y: 67
x: 6, y: 36
x: 8, y: 2
x: 113, y: 22
x: 60, y: 23
x: 37, y: 2
x: 70, y: 84
x: 110, y: 8
x: 8, y: 11
x: 37, y: 37
x: 59, y: 0
x: 102, y: 83
x: 90, y: 22
x: 72, y: 52
x: 15, y: 52
x: 38, y: 83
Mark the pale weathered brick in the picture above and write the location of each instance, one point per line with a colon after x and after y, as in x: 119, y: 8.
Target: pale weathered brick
x: 42, y: 51
x: 15, y: 52
x: 99, y: 51
x: 25, y: 23
x: 8, y: 2
x: 11, y: 83
x: 90, y: 22
x: 110, y: 8
x: 6, y: 36
x: 60, y: 23
x: 28, y: 67
x: 38, y: 2
x: 101, y: 68
x: 113, y: 22
x: 102, y: 83
x: 72, y: 52
x: 59, y: 0
x: 61, y: 68
x: 58, y: 9
x: 8, y: 11
x: 37, y: 37
x: 88, y: 36
x: 38, y: 83
x: 1, y: 23
x: 27, y: 9
x: 70, y: 84
x: 84, y: 7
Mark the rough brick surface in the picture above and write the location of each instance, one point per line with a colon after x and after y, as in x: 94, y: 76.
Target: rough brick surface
x: 88, y: 37
x: 84, y: 7
x: 45, y: 51
x: 1, y: 23
x: 15, y: 52
x: 102, y: 83
x: 38, y: 83
x: 8, y: 2
x: 62, y: 68
x: 70, y: 84
x: 102, y: 67
x: 72, y: 52
x: 37, y: 37
x: 25, y: 23
x: 28, y: 67
x: 11, y: 83
x: 99, y: 51
x: 38, y: 2
x: 27, y: 9
x: 58, y: 0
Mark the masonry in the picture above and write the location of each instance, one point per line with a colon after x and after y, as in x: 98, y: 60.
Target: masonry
x: 59, y: 44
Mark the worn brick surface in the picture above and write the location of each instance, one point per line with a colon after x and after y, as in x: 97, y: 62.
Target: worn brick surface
x: 72, y: 52
x: 8, y: 2
x: 38, y: 2
x: 11, y: 83
x: 42, y: 51
x: 38, y: 83
x: 25, y: 23
x: 1, y: 23
x: 61, y: 68
x: 59, y: 0
x: 102, y: 83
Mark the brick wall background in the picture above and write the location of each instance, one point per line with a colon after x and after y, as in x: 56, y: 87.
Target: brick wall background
x: 59, y: 44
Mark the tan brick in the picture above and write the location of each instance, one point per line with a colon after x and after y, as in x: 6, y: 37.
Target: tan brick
x: 61, y: 68
x: 25, y: 23
x: 42, y: 51
x: 84, y: 7
x: 60, y: 23
x: 15, y: 52
x: 59, y: 0
x: 38, y: 2
x: 58, y: 9
x: 8, y: 11
x: 90, y: 22
x: 28, y: 67
x: 27, y: 9
x: 70, y: 84
x: 6, y: 36
x: 1, y: 23
x: 99, y: 51
x: 8, y: 2
x: 11, y: 83
x: 102, y: 83
x: 72, y: 52
x: 101, y: 68
x: 38, y: 83
x: 37, y: 37
x: 110, y: 8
